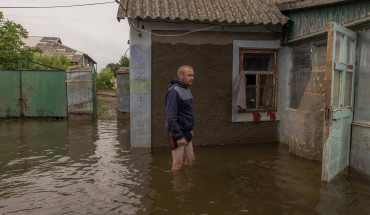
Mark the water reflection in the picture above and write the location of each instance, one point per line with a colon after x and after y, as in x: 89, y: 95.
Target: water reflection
x: 78, y: 166
x: 71, y: 166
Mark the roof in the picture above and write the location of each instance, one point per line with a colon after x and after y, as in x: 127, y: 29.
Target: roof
x: 53, y: 46
x: 300, y: 4
x: 123, y: 70
x: 206, y: 11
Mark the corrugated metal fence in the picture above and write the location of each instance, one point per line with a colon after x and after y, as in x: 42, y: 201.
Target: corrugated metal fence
x: 27, y: 93
x: 47, y: 93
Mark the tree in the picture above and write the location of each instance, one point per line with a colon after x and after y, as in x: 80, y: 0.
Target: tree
x: 125, y: 61
x: 113, y: 67
x: 106, y: 80
x: 11, y: 45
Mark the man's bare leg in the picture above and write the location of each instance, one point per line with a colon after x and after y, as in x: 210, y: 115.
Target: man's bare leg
x: 177, y: 158
x: 189, y: 154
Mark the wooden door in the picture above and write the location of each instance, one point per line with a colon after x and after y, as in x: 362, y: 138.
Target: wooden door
x: 340, y: 76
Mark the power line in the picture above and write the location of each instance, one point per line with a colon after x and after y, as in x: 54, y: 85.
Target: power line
x: 59, y: 17
x: 60, y: 6
x: 171, y: 35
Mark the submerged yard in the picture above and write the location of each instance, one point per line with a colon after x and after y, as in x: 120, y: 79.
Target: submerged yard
x: 78, y: 166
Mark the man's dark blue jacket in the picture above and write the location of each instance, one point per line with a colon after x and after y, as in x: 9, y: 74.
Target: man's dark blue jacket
x: 179, y: 109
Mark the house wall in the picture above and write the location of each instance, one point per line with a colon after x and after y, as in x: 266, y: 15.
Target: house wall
x: 302, y: 128
x: 211, y: 56
x: 314, y: 20
x: 360, y: 144
x: 140, y: 87
x: 301, y: 92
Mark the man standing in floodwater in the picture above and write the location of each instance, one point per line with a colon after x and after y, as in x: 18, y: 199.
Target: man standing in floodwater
x: 180, y: 117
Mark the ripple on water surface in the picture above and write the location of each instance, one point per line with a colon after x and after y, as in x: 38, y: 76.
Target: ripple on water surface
x: 78, y: 166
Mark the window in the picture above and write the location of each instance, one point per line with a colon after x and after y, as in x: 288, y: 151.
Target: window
x: 300, y: 73
x: 306, y: 59
x: 257, y: 61
x: 260, y: 68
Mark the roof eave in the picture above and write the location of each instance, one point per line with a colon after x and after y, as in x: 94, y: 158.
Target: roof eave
x: 296, y: 5
x: 213, y: 22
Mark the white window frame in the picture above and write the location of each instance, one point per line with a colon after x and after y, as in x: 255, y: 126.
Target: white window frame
x: 249, y: 44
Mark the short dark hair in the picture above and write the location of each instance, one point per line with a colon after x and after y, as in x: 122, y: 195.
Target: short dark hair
x: 182, y: 68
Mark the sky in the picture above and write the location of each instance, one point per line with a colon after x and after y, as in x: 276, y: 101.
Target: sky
x: 93, y: 30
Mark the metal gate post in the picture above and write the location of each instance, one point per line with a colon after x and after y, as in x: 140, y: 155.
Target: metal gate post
x: 20, y: 87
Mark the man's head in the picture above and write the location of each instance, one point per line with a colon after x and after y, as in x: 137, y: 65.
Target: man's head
x: 185, y: 74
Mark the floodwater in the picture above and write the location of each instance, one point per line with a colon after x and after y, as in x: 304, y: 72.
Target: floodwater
x: 78, y: 166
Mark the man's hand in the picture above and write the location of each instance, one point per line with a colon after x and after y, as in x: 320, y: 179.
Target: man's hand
x: 192, y: 133
x: 181, y: 142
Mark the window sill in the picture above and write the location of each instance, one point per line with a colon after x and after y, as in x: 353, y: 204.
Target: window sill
x: 291, y: 110
x: 248, y: 117
x: 363, y: 123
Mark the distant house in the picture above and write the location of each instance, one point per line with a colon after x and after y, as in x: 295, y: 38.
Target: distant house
x: 51, y: 46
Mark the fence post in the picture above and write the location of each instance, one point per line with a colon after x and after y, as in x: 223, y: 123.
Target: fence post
x: 21, y: 114
x: 95, y: 100
x: 19, y: 64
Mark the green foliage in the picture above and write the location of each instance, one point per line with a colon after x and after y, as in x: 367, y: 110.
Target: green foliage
x: 57, y: 61
x: 113, y: 67
x: 125, y: 61
x: 11, y: 45
x: 106, y: 79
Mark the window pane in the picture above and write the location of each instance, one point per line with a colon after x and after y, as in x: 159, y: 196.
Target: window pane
x: 298, y: 84
x: 320, y: 56
x: 251, y: 80
x: 336, y: 89
x: 251, y: 98
x: 302, y: 56
x: 258, y: 61
x: 338, y: 47
x: 350, y: 51
x: 267, y: 98
x: 267, y: 80
x: 348, y: 90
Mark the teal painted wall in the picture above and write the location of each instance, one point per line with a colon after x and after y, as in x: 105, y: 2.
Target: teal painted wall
x: 316, y: 19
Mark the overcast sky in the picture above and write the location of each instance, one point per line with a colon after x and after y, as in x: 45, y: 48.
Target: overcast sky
x: 93, y: 30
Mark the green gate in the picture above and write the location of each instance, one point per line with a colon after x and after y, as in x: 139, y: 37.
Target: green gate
x: 10, y: 94
x: 33, y: 93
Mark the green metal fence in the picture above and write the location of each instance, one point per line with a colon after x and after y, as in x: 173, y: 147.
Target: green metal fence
x: 10, y: 103
x: 25, y: 93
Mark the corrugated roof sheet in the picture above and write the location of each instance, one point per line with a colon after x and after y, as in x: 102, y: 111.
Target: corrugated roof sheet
x: 53, y: 46
x: 220, y: 11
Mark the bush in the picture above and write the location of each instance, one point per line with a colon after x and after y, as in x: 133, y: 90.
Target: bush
x: 106, y: 80
x: 57, y: 61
